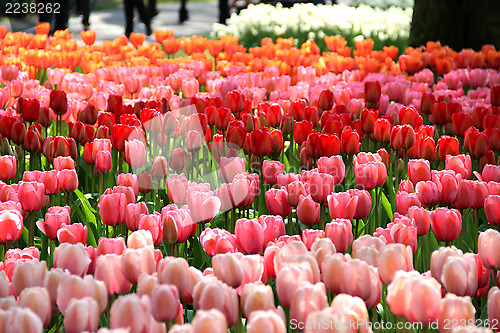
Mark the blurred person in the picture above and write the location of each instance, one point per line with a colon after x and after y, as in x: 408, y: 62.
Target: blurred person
x: 129, y: 6
x: 153, y: 9
x: 55, y: 12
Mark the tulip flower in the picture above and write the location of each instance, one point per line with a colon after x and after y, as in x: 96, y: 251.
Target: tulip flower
x: 112, y: 208
x: 277, y: 202
x: 456, y: 309
x: 11, y: 225
x: 216, y: 241
x: 488, y: 247
x: 249, y: 236
x: 446, y: 224
x: 308, y: 211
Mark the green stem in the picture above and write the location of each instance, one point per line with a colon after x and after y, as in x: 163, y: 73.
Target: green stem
x: 31, y: 228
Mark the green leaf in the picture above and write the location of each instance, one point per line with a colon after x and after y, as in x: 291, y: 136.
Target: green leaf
x: 387, y: 205
x: 87, y: 215
x: 25, y: 236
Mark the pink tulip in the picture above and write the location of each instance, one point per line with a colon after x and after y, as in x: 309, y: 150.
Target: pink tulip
x: 491, y: 208
x: 63, y: 163
x: 342, y: 205
x: 81, y: 315
x: 213, y: 321
x: 321, y: 185
x: 493, y: 306
x: 73, y: 233
x: 110, y: 245
x: 203, y: 206
x: 129, y: 180
x: 461, y: 164
x: 419, y: 170
x: 38, y: 300
x: 74, y: 287
x: 210, y: 293
x: 68, y: 180
x: 245, y: 188
x: 217, y: 240
x: 415, y: 297
x: 54, y: 218
x: 448, y: 183
x: 109, y: 269
x: 277, y: 202
x: 392, y: 258
x: 228, y: 268
x: 184, y: 225
x: 428, y: 193
x: 333, y: 165
x: 112, y: 208
x: 271, y: 170
x: 230, y: 167
x: 296, y: 189
x: 321, y: 248
x: 364, y: 203
x: 308, y: 211
x: 11, y: 225
x: 135, y: 153
x: 28, y: 274
x: 30, y: 195
x: 249, y: 235
x: 256, y: 297
x: 20, y: 319
x: 370, y: 175
x: 152, y: 223
x: 131, y: 312
x: 265, y: 321
x: 459, y: 274
x: 340, y: 232
x: 406, y: 200
x: 289, y: 277
x: 273, y: 226
x: 8, y: 167
x: 307, y: 298
x: 72, y: 257
x: 133, y: 211
x: 165, y: 302
x: 456, y: 310
x: 489, y: 247
x: 138, y: 261
x: 491, y: 173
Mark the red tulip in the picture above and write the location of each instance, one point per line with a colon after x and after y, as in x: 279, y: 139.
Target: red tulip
x: 301, y: 131
x: 325, y: 100
x: 373, y: 91
x: 382, y: 130
x: 350, y: 141
x: 446, y: 223
x: 8, y: 167
x: 261, y: 142
x: 447, y: 145
x: 461, y: 122
x: 311, y: 114
x: 58, y: 102
x: 402, y: 137
x: 236, y: 133
x: 368, y: 119
x: 29, y: 109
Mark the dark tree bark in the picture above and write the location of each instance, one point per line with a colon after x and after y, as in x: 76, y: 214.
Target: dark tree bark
x: 456, y: 23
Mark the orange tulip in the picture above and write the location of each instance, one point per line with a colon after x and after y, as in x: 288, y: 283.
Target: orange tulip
x: 88, y: 37
x: 42, y: 28
x: 137, y: 39
x: 162, y: 34
x: 334, y: 43
x: 3, y: 31
x: 171, y: 45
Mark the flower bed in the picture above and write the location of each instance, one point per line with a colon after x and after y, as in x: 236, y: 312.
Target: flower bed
x: 272, y: 190
x: 303, y: 21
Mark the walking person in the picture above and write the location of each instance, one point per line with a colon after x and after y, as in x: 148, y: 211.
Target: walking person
x: 129, y: 6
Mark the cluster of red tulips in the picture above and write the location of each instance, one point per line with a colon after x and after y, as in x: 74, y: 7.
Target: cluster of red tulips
x: 277, y: 189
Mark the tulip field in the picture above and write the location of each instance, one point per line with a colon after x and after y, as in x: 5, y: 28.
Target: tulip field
x: 195, y: 185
